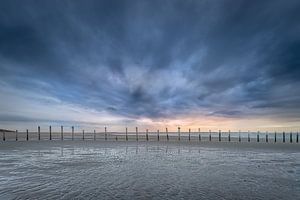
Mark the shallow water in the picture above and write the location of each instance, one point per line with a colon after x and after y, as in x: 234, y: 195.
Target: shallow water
x: 111, y: 170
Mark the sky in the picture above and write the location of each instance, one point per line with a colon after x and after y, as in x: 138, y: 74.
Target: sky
x: 229, y: 64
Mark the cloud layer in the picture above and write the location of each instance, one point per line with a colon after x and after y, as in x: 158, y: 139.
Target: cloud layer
x: 151, y: 60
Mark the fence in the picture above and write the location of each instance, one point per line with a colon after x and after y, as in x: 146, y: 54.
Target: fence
x: 71, y: 134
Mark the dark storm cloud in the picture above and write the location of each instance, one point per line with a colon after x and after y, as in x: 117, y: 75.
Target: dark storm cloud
x: 156, y: 58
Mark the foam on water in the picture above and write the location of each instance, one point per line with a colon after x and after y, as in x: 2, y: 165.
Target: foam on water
x: 110, y: 170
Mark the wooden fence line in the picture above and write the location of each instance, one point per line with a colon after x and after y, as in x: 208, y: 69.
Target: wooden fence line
x: 189, y: 136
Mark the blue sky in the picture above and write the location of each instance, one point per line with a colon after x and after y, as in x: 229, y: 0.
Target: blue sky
x: 212, y: 64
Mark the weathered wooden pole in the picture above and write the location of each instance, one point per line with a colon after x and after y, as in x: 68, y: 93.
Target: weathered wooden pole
x: 267, y: 137
x: 157, y: 135
x: 3, y: 135
x: 229, y: 139
x: 240, y: 136
x: 72, y: 132
x: 39, y: 132
x: 167, y: 134
x: 297, y: 139
x: 50, y: 133
x: 16, y: 135
x: 209, y: 135
x: 126, y: 134
x: 283, y: 137
x: 275, y: 139
x: 27, y: 137
x: 248, y: 136
x: 291, y: 137
x: 199, y: 131
x: 94, y: 134
x: 189, y: 134
x: 147, y: 137
x: 179, y: 133
x: 136, y: 133
x: 105, y: 133
x: 62, y: 132
x: 82, y: 134
x: 257, y: 136
x: 219, y: 135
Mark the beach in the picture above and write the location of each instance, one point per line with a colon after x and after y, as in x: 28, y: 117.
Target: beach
x: 148, y: 170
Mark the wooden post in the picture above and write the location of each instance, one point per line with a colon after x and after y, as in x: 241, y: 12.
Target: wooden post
x: 16, y: 135
x: 219, y: 135
x: 248, y: 136
x: 257, y: 136
x: 291, y: 137
x: 3, y: 135
x: 179, y: 133
x: 126, y: 134
x: 283, y: 137
x: 39, y: 132
x: 297, y: 139
x: 94, y: 134
x: 105, y: 133
x: 136, y: 133
x: 240, y: 136
x: 275, y: 139
x: 50, y: 133
x: 82, y: 134
x: 147, y: 137
x: 209, y: 135
x: 62, y: 132
x: 267, y: 137
x: 189, y: 134
x: 72, y: 132
x: 27, y: 137
x: 167, y: 134
x: 199, y: 131
x: 157, y: 135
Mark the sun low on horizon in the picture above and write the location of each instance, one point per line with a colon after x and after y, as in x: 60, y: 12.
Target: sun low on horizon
x: 192, y: 64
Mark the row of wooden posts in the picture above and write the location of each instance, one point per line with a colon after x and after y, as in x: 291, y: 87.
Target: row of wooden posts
x: 158, y: 135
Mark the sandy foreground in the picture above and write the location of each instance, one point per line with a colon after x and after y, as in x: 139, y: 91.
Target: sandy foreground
x: 148, y: 170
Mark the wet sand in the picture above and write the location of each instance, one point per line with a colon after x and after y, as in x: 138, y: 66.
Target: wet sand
x: 148, y: 170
